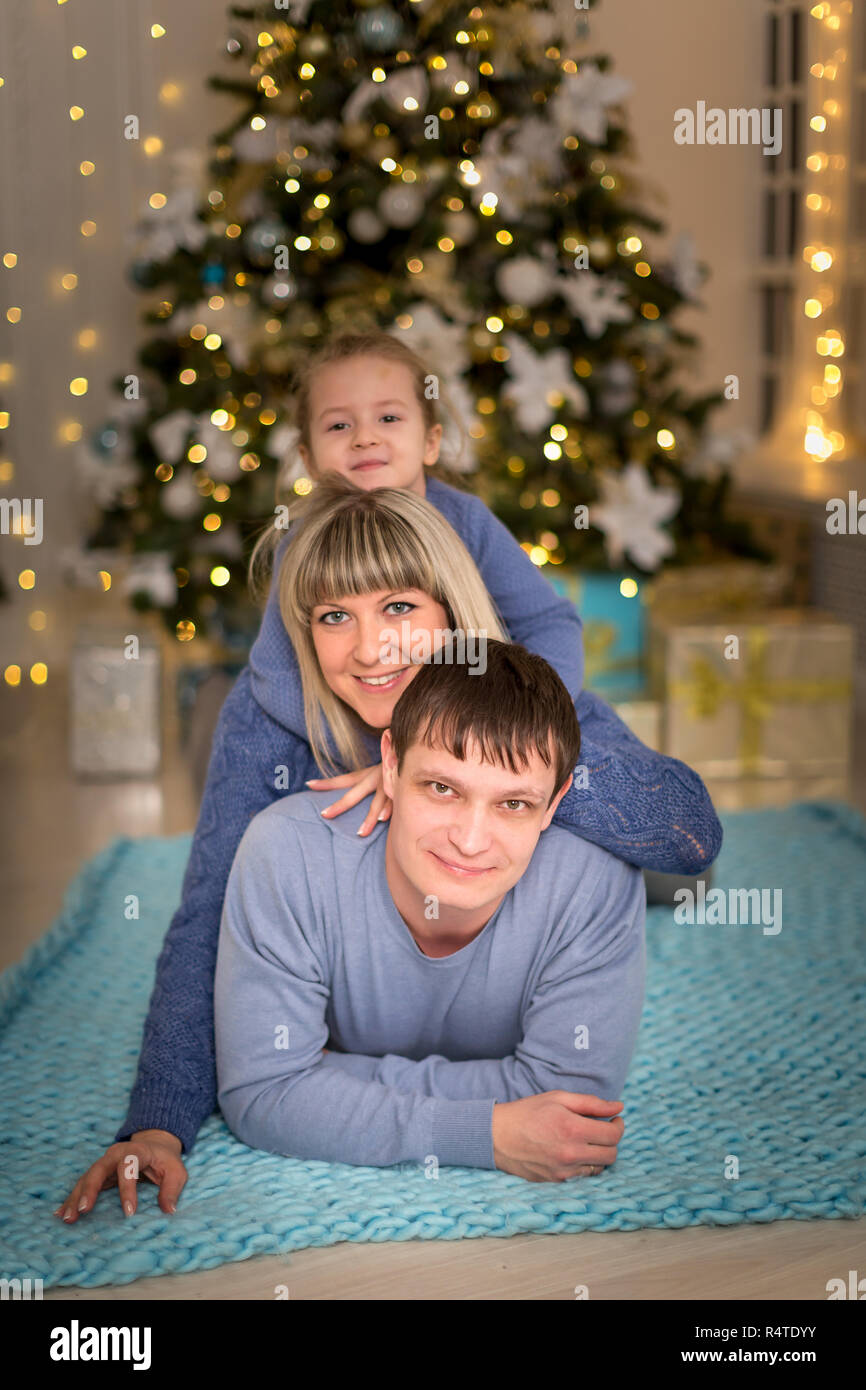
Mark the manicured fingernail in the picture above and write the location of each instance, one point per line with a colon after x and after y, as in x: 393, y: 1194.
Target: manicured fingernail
x: 312, y: 782
x: 82, y: 1204
x: 67, y: 1215
x: 127, y: 1207
x: 172, y: 1208
x: 383, y: 815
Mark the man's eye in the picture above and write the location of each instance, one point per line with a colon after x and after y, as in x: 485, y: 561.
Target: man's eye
x: 515, y: 802
x: 443, y: 786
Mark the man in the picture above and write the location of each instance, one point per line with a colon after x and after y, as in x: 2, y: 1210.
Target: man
x: 480, y: 971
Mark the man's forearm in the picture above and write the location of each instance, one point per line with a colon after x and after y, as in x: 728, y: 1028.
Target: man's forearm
x: 504, y: 1078
x: 326, y: 1113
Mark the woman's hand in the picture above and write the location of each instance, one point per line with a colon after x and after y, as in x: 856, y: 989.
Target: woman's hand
x: 360, y: 784
x: 150, y: 1153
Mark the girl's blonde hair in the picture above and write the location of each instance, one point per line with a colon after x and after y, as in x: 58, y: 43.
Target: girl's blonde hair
x: 346, y: 541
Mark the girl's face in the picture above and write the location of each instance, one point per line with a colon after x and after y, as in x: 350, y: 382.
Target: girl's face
x: 366, y: 423
x: 354, y: 638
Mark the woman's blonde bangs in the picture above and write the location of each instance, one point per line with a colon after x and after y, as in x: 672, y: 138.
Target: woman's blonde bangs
x: 360, y: 552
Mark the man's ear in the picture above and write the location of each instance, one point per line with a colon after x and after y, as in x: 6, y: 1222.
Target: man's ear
x: 389, y: 763
x: 551, y: 810
x: 432, y: 445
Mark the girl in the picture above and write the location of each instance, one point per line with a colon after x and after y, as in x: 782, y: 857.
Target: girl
x: 298, y: 710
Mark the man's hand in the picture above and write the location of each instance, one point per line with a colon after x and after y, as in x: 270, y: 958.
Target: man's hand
x: 151, y: 1153
x: 551, y: 1137
x: 360, y: 784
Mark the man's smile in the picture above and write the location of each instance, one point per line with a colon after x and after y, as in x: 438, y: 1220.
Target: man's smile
x: 460, y: 869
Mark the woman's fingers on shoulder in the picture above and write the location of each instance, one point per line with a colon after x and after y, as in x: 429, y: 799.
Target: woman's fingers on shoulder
x: 380, y: 809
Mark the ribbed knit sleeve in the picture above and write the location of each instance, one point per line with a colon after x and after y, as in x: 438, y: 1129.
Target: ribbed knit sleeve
x: 646, y: 808
x: 175, y: 1087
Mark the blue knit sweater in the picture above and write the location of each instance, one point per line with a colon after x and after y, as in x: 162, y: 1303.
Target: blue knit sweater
x: 647, y: 809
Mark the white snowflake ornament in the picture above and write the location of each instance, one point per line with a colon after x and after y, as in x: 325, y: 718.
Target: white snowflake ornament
x: 535, y: 379
x: 580, y: 104
x: 597, y: 300
x: 631, y: 514
x: 435, y: 339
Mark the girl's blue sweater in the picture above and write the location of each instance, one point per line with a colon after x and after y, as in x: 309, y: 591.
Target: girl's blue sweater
x: 647, y: 809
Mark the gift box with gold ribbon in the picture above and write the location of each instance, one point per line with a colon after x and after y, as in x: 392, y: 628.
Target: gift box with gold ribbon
x: 611, y: 611
x: 767, y: 695
x: 730, y: 586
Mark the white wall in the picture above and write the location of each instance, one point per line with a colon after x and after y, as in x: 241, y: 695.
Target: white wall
x: 678, y: 52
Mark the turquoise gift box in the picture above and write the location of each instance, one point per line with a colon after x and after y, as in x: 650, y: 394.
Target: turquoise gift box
x: 613, y: 629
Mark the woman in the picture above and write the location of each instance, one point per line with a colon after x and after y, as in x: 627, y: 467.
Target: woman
x: 360, y: 565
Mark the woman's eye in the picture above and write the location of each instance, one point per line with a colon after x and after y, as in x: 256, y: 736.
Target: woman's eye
x: 335, y: 613
x: 404, y: 604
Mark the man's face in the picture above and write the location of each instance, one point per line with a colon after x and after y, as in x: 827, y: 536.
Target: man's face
x: 465, y: 831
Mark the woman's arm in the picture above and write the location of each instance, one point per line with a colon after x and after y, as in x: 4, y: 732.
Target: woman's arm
x: 175, y: 1088
x: 535, y: 615
x: 645, y: 808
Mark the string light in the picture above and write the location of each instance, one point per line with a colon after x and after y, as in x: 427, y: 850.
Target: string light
x: 826, y: 216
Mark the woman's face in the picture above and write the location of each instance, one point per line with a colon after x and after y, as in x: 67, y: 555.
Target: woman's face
x: 354, y: 638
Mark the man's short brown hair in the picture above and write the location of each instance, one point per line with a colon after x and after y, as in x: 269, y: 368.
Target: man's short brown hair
x: 516, y: 705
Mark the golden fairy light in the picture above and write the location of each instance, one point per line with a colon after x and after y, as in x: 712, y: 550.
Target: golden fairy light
x: 825, y: 215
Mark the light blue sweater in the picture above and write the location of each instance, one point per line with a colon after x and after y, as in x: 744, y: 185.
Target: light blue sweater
x: 547, y: 997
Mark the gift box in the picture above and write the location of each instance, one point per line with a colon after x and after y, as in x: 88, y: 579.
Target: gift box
x: 644, y: 718
x: 757, y: 697
x: 114, y: 725
x: 613, y: 630
x: 703, y: 591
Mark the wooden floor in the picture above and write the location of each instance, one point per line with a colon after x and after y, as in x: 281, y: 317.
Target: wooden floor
x: 51, y: 822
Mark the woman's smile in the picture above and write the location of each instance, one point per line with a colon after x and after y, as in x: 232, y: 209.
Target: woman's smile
x: 386, y: 682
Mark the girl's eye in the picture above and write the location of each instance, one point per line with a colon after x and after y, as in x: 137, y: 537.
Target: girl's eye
x: 390, y: 417
x: 337, y: 425
x: 404, y: 604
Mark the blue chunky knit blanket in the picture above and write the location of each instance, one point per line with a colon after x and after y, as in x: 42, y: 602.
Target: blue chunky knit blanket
x: 745, y: 1100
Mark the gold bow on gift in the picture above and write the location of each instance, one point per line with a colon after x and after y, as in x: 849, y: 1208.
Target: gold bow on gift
x: 598, y: 638
x: 757, y: 693
x: 735, y: 599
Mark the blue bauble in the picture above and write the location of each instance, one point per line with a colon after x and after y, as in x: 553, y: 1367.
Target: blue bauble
x: 379, y: 29
x: 104, y: 440
x: 213, y: 274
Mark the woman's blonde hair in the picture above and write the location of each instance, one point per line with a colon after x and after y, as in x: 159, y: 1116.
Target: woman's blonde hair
x: 345, y: 541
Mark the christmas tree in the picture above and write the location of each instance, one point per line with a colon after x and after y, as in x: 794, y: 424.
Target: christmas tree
x: 456, y: 174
